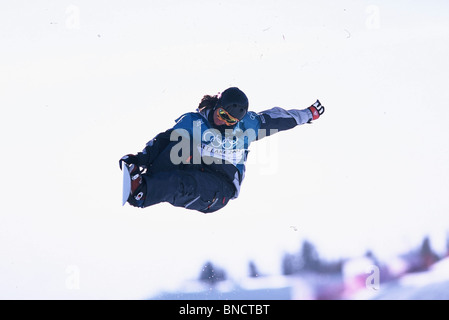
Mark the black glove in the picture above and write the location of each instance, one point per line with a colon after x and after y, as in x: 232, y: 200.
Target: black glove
x: 129, y: 159
x: 317, y: 110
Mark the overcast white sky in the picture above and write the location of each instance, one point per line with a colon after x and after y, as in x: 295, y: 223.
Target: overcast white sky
x: 84, y: 82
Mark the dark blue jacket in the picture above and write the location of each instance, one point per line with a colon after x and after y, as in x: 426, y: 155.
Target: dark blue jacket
x: 194, y: 141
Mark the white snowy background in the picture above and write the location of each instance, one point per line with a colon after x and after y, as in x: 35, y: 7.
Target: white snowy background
x: 84, y: 82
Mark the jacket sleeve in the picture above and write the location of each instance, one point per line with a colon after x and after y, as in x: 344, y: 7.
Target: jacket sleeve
x: 279, y: 119
x: 157, y: 145
x: 153, y: 148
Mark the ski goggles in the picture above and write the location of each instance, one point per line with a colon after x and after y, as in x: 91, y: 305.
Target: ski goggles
x: 226, y: 117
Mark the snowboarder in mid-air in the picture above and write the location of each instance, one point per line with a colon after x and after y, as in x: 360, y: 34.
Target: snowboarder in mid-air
x: 199, y: 164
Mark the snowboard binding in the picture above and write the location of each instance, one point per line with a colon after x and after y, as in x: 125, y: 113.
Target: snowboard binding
x: 134, y: 188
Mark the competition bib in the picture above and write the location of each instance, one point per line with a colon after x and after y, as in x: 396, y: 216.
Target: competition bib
x: 234, y: 156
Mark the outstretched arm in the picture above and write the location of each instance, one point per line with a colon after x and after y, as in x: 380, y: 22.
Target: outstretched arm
x: 280, y: 119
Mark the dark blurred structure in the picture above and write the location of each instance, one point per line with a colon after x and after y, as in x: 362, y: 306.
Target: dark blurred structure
x: 211, y: 274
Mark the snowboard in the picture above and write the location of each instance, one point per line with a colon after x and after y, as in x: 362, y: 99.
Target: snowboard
x: 126, y: 184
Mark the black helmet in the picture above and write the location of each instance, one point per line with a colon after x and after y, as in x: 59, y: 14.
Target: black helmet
x: 234, y: 101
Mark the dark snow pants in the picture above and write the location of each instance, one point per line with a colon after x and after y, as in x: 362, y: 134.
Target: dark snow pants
x: 197, y: 189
